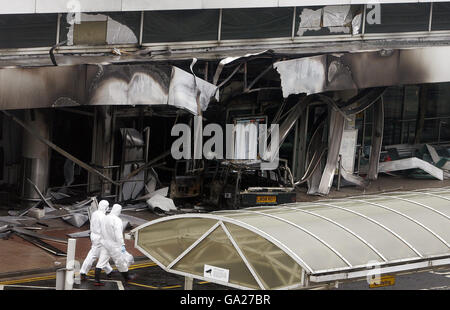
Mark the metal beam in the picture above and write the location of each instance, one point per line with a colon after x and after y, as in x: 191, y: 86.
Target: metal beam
x: 56, y: 148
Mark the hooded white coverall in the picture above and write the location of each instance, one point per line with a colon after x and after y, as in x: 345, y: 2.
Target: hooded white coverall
x: 97, y: 218
x: 113, y: 243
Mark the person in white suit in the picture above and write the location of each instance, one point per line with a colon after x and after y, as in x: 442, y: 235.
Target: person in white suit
x: 97, y: 218
x: 113, y: 246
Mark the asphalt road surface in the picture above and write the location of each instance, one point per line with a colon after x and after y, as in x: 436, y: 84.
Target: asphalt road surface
x: 151, y: 277
x: 428, y: 280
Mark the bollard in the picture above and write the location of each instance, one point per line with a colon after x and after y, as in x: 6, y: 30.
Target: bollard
x: 188, y: 283
x: 60, y: 279
x: 70, y: 264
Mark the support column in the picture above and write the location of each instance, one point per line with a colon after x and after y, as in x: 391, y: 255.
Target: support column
x: 102, y: 149
x: 35, y: 155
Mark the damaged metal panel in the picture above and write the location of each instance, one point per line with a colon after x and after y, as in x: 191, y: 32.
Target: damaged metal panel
x: 40, y: 236
x: 46, y: 201
x: 363, y: 100
x: 56, y: 86
x: 183, y: 91
x: 28, y: 88
x: 150, y: 85
x: 354, y: 179
x: 41, y: 244
x: 436, y: 158
x: 76, y: 219
x: 411, y: 163
x: 81, y: 234
x: 335, y: 72
x: 347, y: 159
x: 162, y: 203
x: 303, y: 75
x: 18, y: 220
x: 130, y: 85
x: 229, y: 60
x: 337, y: 123
x: 132, y: 220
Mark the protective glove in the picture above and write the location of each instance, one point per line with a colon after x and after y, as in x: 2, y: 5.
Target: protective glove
x: 123, y: 249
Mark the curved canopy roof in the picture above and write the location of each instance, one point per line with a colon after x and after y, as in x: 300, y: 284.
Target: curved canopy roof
x: 284, y: 246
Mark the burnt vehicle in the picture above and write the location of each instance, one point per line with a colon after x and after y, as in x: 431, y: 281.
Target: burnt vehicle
x: 240, y: 184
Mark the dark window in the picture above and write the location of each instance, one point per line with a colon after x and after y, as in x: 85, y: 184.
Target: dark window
x: 256, y: 23
x: 2, y: 163
x: 441, y: 16
x: 180, y: 26
x: 400, y: 18
x: 28, y: 30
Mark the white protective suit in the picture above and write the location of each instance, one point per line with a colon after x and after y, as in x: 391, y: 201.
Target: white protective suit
x: 113, y: 243
x: 97, y: 218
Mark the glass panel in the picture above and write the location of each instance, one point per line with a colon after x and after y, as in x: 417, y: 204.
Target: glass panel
x: 418, y: 237
x: 273, y: 266
x: 439, y: 204
x: 28, y: 30
x: 441, y: 16
x: 180, y: 26
x: 256, y: 23
x: 218, y: 251
x: 313, y: 252
x: 352, y: 248
x: 399, y: 18
x: 165, y: 241
x: 391, y: 247
x: 437, y: 223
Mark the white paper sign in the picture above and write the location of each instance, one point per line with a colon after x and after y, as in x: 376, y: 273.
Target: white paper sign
x: 216, y: 273
x: 348, y: 149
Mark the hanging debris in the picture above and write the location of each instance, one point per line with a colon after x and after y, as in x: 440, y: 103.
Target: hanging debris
x: 160, y: 203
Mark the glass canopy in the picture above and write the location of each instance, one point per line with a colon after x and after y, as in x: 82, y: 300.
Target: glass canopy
x: 293, y: 245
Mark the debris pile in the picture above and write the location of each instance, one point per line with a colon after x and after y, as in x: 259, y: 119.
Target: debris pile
x: 75, y: 209
x: 422, y: 161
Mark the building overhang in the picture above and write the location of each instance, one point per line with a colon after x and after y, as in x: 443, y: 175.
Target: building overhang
x: 131, y: 85
x: 65, y: 6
